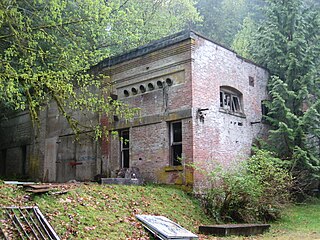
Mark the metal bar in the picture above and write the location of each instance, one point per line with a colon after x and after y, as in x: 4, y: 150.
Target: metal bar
x: 14, y: 223
x: 41, y: 223
x: 29, y: 225
x: 20, y: 224
x: 47, y: 224
x: 34, y: 223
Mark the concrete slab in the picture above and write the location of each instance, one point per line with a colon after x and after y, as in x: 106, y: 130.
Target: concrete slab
x: 165, y: 229
x: 234, y: 229
x: 121, y: 181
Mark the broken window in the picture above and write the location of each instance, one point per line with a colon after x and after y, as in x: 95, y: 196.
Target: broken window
x: 124, y: 147
x: 176, y: 143
x: 230, y: 100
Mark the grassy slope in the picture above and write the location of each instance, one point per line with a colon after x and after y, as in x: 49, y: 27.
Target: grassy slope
x: 107, y: 212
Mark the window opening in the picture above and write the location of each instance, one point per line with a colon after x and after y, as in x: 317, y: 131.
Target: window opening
x: 3, y: 162
x: 160, y: 84
x: 142, y: 88
x: 24, y: 159
x: 126, y: 93
x: 150, y: 86
x: 264, y: 111
x: 134, y: 91
x: 230, y: 101
x: 176, y: 143
x: 124, y: 146
x: 251, y: 81
x: 169, y: 81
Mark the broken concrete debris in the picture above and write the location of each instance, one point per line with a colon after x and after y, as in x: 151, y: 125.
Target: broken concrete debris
x: 164, y: 228
x: 125, y: 176
x: 25, y: 223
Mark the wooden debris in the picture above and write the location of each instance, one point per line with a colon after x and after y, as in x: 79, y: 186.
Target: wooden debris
x: 45, y: 190
x: 17, y: 183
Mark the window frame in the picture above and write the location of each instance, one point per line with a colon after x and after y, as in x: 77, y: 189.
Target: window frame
x: 174, y: 144
x: 231, y: 101
x: 124, y: 149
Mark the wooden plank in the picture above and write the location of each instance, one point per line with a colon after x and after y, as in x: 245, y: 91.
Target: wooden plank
x: 17, y: 183
x: 38, y: 190
x: 38, y: 186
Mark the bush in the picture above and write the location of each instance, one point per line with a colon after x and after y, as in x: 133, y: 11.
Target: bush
x: 257, y: 190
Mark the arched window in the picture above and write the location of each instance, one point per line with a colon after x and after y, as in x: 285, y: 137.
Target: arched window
x: 230, y: 100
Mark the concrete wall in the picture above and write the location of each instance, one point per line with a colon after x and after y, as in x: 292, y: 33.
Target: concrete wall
x: 40, y: 153
x: 16, y: 137
x: 67, y: 158
x: 224, y: 138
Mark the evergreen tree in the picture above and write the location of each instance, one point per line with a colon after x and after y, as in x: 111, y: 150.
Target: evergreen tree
x: 287, y: 43
x: 221, y: 19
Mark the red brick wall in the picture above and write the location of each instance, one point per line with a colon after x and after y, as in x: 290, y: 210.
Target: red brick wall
x: 150, y: 142
x: 223, y: 139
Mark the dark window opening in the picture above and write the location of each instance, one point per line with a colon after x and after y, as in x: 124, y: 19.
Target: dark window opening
x: 126, y: 93
x: 150, y: 86
x: 24, y: 160
x: 142, y: 88
x: 264, y: 111
x: 134, y: 91
x: 124, y: 143
x: 251, y: 81
x: 3, y: 162
x: 169, y: 82
x: 159, y: 84
x: 176, y: 143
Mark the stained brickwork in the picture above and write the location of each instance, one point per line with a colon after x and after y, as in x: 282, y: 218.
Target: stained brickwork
x: 215, y: 94
x: 223, y: 138
x: 211, y: 135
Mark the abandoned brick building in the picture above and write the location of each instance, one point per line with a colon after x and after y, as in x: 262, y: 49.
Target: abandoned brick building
x: 200, y: 104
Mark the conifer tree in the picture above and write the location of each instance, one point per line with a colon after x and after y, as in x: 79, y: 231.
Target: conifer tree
x: 287, y: 43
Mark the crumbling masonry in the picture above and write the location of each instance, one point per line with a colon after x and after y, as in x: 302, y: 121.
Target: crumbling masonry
x: 201, y: 105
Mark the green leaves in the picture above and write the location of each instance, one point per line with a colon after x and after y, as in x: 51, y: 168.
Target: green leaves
x: 255, y: 190
x: 49, y: 46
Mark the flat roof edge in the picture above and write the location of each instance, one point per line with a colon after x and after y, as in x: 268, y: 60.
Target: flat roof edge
x: 160, y: 44
x: 145, y: 49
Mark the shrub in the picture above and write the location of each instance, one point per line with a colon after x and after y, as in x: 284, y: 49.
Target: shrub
x: 257, y: 190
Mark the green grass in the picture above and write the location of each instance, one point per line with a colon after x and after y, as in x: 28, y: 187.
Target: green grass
x: 108, y: 212
x: 299, y: 222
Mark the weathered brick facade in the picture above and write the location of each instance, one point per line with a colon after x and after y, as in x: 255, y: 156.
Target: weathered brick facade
x: 191, y: 92
x: 211, y: 135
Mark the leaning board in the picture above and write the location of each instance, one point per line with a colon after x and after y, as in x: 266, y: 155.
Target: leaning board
x: 164, y: 228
